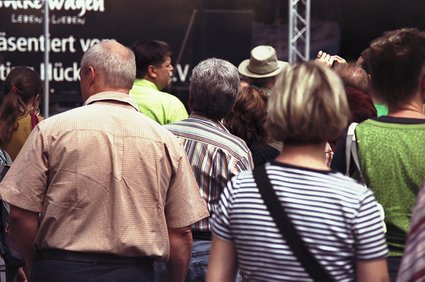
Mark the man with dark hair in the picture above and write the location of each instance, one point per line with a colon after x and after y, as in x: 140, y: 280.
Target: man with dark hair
x: 154, y: 70
x: 99, y: 192
x: 214, y: 153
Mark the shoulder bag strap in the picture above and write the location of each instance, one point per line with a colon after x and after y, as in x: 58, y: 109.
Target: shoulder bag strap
x: 351, y: 151
x: 287, y: 229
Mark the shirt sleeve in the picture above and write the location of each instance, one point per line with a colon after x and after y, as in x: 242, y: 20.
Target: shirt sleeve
x: 184, y: 204
x: 24, y: 186
x: 220, y: 223
x: 369, y: 230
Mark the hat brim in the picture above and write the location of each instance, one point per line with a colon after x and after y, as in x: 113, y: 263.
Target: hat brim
x: 243, y: 70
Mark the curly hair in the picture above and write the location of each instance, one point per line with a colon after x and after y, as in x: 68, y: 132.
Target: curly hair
x: 21, y: 85
x: 396, y: 61
x: 248, y: 116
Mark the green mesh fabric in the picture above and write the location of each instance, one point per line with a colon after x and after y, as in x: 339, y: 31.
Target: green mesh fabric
x: 392, y: 158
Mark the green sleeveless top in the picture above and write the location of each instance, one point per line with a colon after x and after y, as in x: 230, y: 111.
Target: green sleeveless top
x: 392, y: 159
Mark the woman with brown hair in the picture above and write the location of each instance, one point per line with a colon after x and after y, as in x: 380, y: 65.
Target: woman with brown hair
x: 19, y: 112
x: 246, y: 120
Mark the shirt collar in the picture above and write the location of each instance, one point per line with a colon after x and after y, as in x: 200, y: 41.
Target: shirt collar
x: 145, y: 83
x: 112, y: 96
x: 204, y: 118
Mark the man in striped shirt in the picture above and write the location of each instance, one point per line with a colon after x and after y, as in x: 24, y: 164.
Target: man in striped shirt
x: 214, y: 153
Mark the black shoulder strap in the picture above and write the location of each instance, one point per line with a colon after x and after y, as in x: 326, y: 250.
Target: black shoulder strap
x: 286, y: 228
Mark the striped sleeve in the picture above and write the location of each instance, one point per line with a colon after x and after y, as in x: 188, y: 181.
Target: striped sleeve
x: 369, y: 230
x: 220, y: 225
x: 413, y: 264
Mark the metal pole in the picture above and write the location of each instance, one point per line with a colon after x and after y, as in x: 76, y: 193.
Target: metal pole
x: 46, y: 59
x: 291, y: 31
x: 307, y: 37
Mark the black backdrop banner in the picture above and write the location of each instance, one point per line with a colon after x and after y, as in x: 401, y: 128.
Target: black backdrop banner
x: 75, y: 25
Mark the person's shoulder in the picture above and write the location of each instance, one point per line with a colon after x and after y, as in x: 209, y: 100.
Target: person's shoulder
x: 240, y: 145
x: 169, y: 98
x: 349, y: 186
x: 60, y: 117
x: 244, y: 179
x: 178, y: 125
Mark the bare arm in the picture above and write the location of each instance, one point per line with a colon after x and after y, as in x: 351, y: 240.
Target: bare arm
x: 180, y: 253
x: 24, y: 225
x: 222, y: 262
x: 372, y: 271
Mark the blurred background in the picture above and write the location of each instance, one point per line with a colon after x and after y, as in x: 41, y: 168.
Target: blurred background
x: 196, y: 29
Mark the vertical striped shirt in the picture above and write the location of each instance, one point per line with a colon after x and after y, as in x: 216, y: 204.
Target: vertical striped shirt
x: 337, y: 218
x: 215, y: 155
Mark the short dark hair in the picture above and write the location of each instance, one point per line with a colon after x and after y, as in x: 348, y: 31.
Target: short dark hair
x: 213, y: 88
x: 248, y: 115
x: 396, y: 61
x: 149, y: 53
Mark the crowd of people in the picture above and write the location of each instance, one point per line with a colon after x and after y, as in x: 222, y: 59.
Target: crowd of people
x: 254, y: 182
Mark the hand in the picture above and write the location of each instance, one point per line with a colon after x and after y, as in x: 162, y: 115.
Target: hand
x: 329, y: 60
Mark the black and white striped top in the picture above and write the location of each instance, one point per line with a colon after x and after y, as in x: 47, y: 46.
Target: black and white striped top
x: 337, y: 218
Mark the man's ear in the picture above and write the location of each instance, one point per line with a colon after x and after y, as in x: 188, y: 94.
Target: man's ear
x: 91, y: 74
x: 151, y: 71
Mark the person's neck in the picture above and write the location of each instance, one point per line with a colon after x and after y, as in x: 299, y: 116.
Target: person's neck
x: 151, y: 79
x: 409, y: 109
x: 308, y: 156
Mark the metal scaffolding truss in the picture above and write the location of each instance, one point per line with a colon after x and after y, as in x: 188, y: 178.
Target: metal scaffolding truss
x: 299, y: 30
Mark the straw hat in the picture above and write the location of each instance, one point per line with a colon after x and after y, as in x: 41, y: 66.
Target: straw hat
x: 263, y: 63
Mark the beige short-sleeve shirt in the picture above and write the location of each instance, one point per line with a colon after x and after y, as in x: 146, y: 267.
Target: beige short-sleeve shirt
x: 104, y: 178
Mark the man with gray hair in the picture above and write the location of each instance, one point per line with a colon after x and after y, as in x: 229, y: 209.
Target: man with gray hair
x: 99, y: 192
x: 214, y: 153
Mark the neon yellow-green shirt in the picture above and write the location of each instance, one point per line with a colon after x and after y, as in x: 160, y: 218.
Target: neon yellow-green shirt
x: 381, y: 109
x: 159, y: 106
